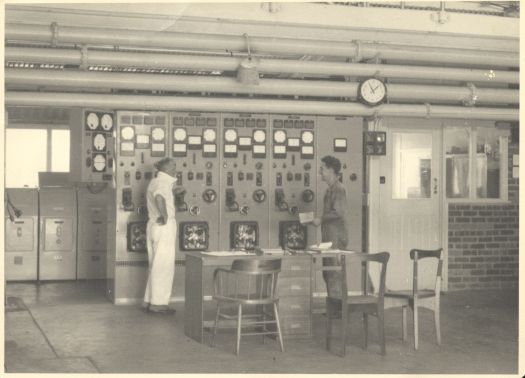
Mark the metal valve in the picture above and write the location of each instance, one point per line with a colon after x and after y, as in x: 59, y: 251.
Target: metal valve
x: 293, y: 210
x: 259, y: 195
x: 209, y: 195
x: 308, y: 195
x: 244, y: 210
x: 280, y: 202
x: 194, y: 210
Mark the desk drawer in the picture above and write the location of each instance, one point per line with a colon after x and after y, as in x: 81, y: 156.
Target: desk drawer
x: 288, y: 286
x: 299, y: 305
x: 293, y: 267
x: 296, y: 326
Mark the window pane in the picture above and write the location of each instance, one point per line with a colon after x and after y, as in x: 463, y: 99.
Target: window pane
x: 457, y: 166
x: 487, y: 163
x: 25, y: 157
x: 412, y: 165
x: 60, y: 151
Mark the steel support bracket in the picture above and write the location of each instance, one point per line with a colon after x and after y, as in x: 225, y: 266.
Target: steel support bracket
x: 54, y: 34
x: 84, y: 58
x: 471, y: 101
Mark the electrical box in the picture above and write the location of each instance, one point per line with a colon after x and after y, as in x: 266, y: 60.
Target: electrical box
x: 21, y: 236
x: 92, y: 149
x: 92, y: 229
x: 244, y: 185
x: 58, y: 224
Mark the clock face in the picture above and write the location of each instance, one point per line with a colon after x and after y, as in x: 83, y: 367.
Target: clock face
x: 259, y: 136
x: 372, y: 91
x: 307, y: 137
x: 106, y: 122
x: 157, y: 134
x: 92, y: 121
x: 209, y: 135
x: 279, y: 136
x: 230, y: 135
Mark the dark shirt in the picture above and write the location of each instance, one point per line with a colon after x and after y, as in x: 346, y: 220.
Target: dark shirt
x: 334, y: 218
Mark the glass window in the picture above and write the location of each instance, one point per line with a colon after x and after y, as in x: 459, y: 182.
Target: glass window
x: 60, y: 151
x: 412, y: 165
x: 26, y: 155
x: 457, y: 141
x: 488, y: 163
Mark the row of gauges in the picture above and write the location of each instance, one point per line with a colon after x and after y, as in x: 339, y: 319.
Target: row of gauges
x: 99, y: 121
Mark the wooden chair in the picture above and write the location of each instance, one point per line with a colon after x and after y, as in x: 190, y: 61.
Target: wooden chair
x: 366, y: 302
x: 415, y: 298
x: 249, y: 282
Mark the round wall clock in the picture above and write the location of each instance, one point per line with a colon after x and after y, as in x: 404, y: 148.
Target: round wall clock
x: 371, y: 92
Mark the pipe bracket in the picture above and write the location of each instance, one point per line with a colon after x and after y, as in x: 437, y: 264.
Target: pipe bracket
x: 471, y: 101
x: 54, y: 34
x: 358, y: 52
x: 429, y: 110
x: 84, y: 64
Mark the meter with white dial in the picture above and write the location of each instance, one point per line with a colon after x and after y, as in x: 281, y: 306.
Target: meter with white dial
x: 106, y: 122
x: 209, y: 135
x: 99, y: 163
x: 279, y: 136
x: 259, y: 136
x: 99, y: 142
x: 92, y: 121
x: 230, y: 135
x: 307, y: 137
x: 127, y: 133
x: 179, y: 134
x: 157, y: 134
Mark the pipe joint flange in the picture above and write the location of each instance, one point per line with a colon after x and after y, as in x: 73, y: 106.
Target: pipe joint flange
x: 54, y: 34
x: 471, y: 101
x: 429, y: 110
x: 84, y: 64
x: 358, y: 52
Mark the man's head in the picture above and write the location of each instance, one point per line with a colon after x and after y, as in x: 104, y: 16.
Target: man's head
x: 167, y: 165
x: 329, y: 169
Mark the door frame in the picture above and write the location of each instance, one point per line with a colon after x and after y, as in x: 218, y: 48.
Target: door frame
x: 372, y: 183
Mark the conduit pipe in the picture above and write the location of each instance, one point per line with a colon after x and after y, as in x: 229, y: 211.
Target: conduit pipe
x: 195, y: 63
x: 115, y: 80
x: 237, y: 105
x: 56, y: 35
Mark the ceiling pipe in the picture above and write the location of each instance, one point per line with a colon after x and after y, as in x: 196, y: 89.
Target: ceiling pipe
x: 58, y: 35
x: 316, y: 88
x: 192, y: 62
x: 238, y: 105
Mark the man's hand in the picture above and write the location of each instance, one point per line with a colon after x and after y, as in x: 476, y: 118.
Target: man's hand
x: 161, y: 221
x: 316, y: 222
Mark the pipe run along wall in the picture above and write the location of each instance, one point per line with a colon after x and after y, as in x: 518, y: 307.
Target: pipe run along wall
x: 239, y: 105
x: 317, y: 88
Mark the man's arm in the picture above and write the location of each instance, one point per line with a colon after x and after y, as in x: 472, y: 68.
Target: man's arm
x: 160, y: 202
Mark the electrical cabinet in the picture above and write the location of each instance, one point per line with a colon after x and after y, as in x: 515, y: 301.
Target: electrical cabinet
x: 57, y: 242
x: 21, y: 236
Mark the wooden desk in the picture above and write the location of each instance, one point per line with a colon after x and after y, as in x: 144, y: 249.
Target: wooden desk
x: 295, y: 285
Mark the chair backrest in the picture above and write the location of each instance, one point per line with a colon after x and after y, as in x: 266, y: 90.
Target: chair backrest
x: 364, y: 258
x: 419, y: 254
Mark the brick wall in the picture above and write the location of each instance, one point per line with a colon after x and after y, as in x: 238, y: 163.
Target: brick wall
x: 483, y: 241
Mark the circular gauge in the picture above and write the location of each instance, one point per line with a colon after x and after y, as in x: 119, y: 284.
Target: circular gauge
x: 127, y: 133
x: 99, y: 163
x: 230, y: 135
x: 209, y: 135
x: 307, y: 137
x: 106, y: 122
x: 99, y: 142
x: 279, y: 136
x: 179, y: 134
x: 259, y: 136
x: 157, y: 134
x: 92, y: 121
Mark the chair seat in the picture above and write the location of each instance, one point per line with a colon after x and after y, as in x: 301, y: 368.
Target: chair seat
x: 358, y: 299
x: 244, y: 299
x: 408, y: 294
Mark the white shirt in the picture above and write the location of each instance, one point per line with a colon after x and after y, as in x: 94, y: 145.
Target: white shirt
x: 161, y: 185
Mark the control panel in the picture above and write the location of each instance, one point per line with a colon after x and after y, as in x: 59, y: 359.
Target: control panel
x: 244, y: 185
x: 195, y: 145
x: 93, y: 131
x: 292, y: 178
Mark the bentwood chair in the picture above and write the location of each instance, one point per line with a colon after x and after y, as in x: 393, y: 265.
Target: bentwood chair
x: 249, y: 283
x: 366, y: 302
x: 417, y: 297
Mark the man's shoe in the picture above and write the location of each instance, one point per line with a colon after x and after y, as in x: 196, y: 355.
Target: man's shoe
x: 165, y: 310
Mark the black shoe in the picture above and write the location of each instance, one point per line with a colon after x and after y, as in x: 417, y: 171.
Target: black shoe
x: 162, y: 310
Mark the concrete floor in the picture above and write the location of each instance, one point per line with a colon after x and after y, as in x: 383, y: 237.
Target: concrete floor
x: 69, y: 327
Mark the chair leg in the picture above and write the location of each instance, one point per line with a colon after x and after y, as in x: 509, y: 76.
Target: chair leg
x: 344, y: 325
x: 365, y: 326
x: 328, y: 326
x: 239, y: 317
x: 381, y: 329
x: 437, y: 321
x: 264, y: 325
x: 212, y: 343
x: 416, y: 325
x: 278, y: 322
x: 404, y: 321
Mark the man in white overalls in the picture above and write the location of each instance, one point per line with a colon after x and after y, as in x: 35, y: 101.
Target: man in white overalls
x: 161, y: 234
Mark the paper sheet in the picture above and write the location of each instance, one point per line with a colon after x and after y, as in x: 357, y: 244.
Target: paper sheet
x: 226, y: 253
x: 306, y: 217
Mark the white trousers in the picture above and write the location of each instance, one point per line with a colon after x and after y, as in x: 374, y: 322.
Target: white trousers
x: 161, y: 257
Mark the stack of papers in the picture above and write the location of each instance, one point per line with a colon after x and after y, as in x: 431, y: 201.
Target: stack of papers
x: 321, y: 247
x: 227, y: 253
x: 306, y: 217
x: 274, y: 251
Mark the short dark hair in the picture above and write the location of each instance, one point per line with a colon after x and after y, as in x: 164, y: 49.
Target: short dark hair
x: 161, y: 164
x: 332, y: 162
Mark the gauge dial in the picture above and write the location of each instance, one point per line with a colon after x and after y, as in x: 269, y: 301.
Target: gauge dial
x: 209, y: 135
x: 307, y: 137
x: 92, y: 121
x: 157, y: 134
x: 99, y: 142
x: 230, y: 135
x: 259, y: 136
x: 127, y: 133
x: 99, y: 163
x: 107, y: 122
x: 179, y: 134
x: 279, y: 136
